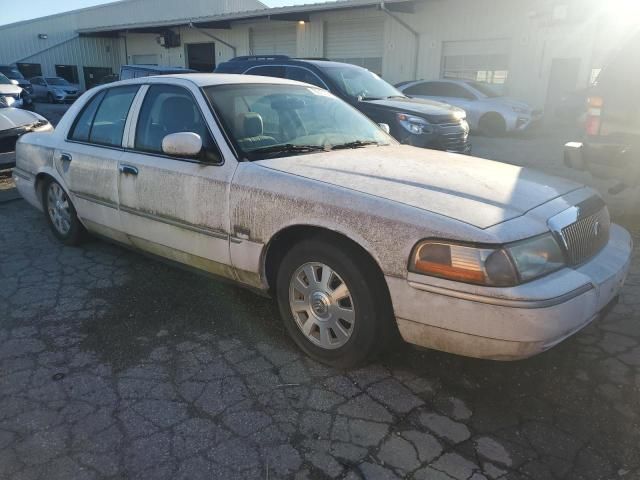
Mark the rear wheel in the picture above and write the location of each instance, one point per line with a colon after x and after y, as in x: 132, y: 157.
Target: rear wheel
x: 61, y: 215
x: 493, y: 125
x: 332, y: 302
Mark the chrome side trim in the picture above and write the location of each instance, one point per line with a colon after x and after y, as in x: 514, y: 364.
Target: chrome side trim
x: 99, y: 201
x: 176, y: 223
x: 18, y: 172
x: 503, y: 302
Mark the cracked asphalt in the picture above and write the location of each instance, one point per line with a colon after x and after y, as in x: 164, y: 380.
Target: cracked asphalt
x: 116, y: 366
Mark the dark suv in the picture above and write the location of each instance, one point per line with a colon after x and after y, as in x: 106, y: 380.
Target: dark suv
x: 422, y: 123
x: 12, y: 73
x: 610, y: 147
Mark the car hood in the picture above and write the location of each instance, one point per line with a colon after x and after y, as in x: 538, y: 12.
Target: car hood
x: 15, y: 117
x: 417, y: 106
x: 10, y: 89
x: 478, y: 192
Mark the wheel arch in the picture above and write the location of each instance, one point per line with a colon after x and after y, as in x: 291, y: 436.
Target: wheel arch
x: 276, y: 248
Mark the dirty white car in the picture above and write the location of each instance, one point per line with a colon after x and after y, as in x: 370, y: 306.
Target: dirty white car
x: 280, y: 186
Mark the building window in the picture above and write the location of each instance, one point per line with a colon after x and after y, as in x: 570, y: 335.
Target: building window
x: 595, y: 73
x: 492, y: 69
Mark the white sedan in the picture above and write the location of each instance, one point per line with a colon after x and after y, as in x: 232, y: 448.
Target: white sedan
x: 487, y: 110
x: 283, y: 188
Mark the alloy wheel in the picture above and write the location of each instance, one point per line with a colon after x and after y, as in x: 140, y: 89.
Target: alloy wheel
x: 322, y: 305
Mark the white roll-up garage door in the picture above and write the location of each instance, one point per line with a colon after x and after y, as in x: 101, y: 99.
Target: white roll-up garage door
x: 274, y: 39
x: 360, y: 42
x: 481, y: 60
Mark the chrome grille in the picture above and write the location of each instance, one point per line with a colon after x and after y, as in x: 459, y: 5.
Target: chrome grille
x: 586, y: 237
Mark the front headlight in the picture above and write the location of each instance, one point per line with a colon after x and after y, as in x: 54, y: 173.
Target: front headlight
x: 413, y: 124
x: 495, y: 266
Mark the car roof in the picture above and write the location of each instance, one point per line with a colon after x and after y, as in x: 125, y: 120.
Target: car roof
x: 211, y: 79
x: 158, y: 68
x: 284, y: 60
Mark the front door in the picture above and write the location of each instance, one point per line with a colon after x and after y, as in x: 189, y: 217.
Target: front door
x: 171, y: 206
x: 88, y: 159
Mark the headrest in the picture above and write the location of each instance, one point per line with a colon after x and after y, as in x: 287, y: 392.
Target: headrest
x: 251, y: 124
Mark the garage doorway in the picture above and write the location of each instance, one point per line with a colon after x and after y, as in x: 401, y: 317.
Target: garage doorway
x: 201, y: 56
x: 30, y: 70
x: 94, y: 75
x: 68, y: 72
x: 563, y: 80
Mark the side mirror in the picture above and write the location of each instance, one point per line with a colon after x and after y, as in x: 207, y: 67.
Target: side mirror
x: 15, y: 82
x: 385, y: 127
x: 182, y: 144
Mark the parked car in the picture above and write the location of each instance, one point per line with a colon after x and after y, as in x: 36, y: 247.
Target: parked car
x: 610, y: 147
x: 137, y: 71
x: 12, y: 73
x: 282, y: 187
x: 422, y: 123
x: 15, y: 122
x: 487, y: 110
x: 55, y: 89
x: 11, y: 94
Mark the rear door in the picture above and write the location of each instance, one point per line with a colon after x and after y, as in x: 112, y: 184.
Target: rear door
x: 88, y: 158
x: 172, y: 206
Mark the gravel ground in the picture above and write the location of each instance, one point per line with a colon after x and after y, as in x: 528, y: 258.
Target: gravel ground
x: 116, y: 366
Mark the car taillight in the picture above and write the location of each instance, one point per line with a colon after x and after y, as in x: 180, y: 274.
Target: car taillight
x: 594, y: 112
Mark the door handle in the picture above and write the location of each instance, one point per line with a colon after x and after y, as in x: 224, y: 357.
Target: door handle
x: 128, y: 170
x: 65, y: 157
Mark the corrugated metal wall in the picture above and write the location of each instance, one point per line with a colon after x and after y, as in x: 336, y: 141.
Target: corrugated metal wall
x: 273, y: 38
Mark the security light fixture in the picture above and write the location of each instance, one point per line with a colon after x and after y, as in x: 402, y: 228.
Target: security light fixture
x: 43, y: 36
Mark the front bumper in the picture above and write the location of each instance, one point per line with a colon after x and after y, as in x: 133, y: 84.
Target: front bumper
x: 515, y: 323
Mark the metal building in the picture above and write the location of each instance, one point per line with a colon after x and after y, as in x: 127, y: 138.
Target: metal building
x: 537, y: 50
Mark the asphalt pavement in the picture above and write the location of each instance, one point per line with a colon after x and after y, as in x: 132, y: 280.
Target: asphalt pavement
x: 116, y: 366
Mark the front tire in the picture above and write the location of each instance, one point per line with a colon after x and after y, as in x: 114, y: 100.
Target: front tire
x: 333, y: 302
x: 493, y: 125
x: 61, y: 214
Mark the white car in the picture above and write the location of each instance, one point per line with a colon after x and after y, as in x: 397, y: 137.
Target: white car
x: 15, y: 122
x: 10, y: 93
x: 487, y: 110
x: 283, y: 188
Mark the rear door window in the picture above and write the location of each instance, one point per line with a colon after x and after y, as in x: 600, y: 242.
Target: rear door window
x: 305, y: 75
x: 268, y: 71
x: 102, y: 120
x: 82, y: 127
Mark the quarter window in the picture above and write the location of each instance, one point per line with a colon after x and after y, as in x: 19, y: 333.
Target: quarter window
x: 169, y: 109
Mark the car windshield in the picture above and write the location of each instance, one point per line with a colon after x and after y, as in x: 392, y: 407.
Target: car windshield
x: 359, y: 82
x: 56, y: 81
x: 485, y: 89
x: 270, y: 120
x: 4, y: 80
x: 12, y: 73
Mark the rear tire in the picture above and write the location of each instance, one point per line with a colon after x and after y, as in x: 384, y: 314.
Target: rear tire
x: 493, y: 125
x: 339, y: 316
x: 61, y: 214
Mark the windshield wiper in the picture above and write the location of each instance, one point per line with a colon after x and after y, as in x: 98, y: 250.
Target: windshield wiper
x: 287, y: 148
x: 396, y: 96
x: 355, y: 144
